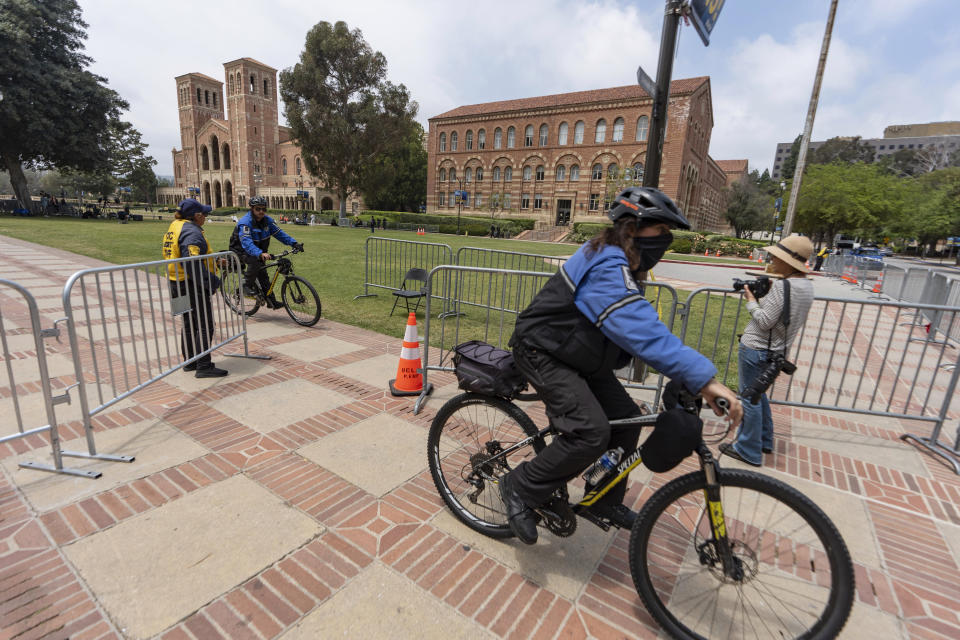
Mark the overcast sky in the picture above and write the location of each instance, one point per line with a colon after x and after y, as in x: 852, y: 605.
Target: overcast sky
x: 890, y: 61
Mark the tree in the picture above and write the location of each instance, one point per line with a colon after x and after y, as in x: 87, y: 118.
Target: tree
x: 342, y: 111
x: 748, y: 210
x: 54, y: 112
x: 397, y: 180
x: 790, y: 163
x: 843, y: 150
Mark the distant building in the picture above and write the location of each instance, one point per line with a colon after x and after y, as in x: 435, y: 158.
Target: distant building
x: 549, y: 157
x: 945, y: 135
x: 225, y: 160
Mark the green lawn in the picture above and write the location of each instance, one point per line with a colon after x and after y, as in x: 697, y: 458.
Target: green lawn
x: 334, y: 263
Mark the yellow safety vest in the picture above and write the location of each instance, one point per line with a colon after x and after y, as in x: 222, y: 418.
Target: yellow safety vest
x: 171, y: 250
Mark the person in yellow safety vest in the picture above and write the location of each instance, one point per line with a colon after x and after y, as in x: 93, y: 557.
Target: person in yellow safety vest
x: 195, y: 279
x: 821, y: 255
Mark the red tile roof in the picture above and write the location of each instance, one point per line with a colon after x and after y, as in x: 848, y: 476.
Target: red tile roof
x: 199, y: 75
x: 677, y: 87
x: 732, y: 166
x: 257, y: 62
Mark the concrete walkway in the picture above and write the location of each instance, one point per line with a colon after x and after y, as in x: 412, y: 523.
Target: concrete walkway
x: 291, y: 499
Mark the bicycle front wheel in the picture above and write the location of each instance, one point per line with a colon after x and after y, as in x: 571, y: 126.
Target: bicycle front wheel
x: 465, y: 451
x: 232, y: 291
x: 301, y: 301
x: 794, y: 573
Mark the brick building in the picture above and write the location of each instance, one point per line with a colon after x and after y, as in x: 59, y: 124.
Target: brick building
x: 226, y: 159
x: 554, y: 158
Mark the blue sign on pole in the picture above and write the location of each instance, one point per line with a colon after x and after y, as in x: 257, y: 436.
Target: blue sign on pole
x: 778, y: 204
x: 704, y: 15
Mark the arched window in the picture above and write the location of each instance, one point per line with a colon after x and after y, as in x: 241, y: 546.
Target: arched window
x: 199, y: 96
x: 528, y: 136
x: 601, y: 134
x: 511, y: 137
x: 540, y: 173
x: 562, y: 135
x: 443, y: 142
x: 613, y: 171
x: 527, y: 172
x: 239, y: 83
x: 643, y: 125
x: 561, y: 173
x: 298, y: 165
x: 453, y: 141
x: 206, y: 97
x: 283, y: 166
x: 578, y: 132
x: 266, y: 88
x: 453, y: 173
x: 496, y: 174
x: 618, y: 130
x: 574, y: 173
x: 597, y: 172
x: 508, y: 174
x: 497, y: 138
x: 481, y: 139
x: 506, y: 201
x: 179, y: 171
x: 230, y: 85
x: 638, y: 171
x: 544, y: 131
x: 215, y: 152
x: 468, y: 175
x: 479, y: 174
x: 226, y: 155
x: 468, y: 140
x: 443, y: 175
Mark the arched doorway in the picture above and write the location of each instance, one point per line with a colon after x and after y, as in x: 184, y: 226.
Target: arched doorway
x: 217, y: 195
x: 206, y: 193
x: 215, y: 150
x: 228, y: 189
x: 326, y: 204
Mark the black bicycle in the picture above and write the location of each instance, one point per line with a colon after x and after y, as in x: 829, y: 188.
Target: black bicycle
x: 297, y: 295
x: 713, y: 553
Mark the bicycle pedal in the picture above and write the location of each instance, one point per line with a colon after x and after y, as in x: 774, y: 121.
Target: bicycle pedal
x: 586, y: 514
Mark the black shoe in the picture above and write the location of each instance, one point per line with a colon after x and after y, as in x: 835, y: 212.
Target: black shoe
x: 210, y: 372
x: 767, y: 449
x: 618, y: 514
x: 190, y: 367
x: 522, y: 519
x: 249, y: 290
x: 727, y: 448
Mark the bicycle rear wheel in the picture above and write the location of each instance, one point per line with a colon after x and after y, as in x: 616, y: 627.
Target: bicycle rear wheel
x: 797, y: 577
x: 301, y: 301
x: 231, y: 282
x: 465, y: 439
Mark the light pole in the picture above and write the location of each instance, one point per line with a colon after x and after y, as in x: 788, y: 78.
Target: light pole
x: 459, y: 198
x: 778, y: 206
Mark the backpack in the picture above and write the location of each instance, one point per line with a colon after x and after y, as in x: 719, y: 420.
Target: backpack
x: 485, y: 369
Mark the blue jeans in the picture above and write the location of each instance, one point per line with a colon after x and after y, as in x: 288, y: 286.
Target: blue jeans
x: 756, y: 430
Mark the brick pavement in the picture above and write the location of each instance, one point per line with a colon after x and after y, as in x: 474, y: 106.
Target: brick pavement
x: 343, y: 533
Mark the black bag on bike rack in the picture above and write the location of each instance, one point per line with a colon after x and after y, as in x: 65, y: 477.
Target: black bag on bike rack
x: 483, y: 368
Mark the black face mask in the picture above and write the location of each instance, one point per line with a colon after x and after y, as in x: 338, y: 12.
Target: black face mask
x: 651, y: 249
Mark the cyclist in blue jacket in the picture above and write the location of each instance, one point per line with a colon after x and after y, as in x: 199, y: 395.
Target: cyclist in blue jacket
x: 588, y: 320
x: 251, y: 241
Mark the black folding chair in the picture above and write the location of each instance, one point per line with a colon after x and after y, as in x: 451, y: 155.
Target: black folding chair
x: 407, y: 294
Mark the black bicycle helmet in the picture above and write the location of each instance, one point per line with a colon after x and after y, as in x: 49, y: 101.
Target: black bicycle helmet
x: 258, y: 201
x: 647, y: 205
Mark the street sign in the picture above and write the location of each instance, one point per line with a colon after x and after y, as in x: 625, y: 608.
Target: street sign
x: 646, y: 83
x: 778, y: 204
x: 704, y: 15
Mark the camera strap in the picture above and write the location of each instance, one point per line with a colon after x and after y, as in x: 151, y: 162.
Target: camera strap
x: 784, y: 319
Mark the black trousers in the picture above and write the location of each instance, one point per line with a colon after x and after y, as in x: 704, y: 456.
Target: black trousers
x: 198, y: 322
x: 580, y: 408
x: 255, y: 271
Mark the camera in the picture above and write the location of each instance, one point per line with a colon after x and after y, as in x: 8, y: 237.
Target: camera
x: 776, y: 363
x: 759, y: 287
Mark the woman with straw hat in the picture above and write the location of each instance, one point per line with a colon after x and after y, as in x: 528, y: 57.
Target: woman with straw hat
x: 767, y: 334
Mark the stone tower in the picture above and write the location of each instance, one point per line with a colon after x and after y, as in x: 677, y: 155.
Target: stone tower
x: 252, y: 99
x: 200, y: 98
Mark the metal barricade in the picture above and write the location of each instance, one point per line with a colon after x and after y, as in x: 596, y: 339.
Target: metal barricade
x: 935, y: 291
x: 387, y: 260
x: 894, y: 279
x: 869, y: 271
x: 515, y: 261
x: 136, y: 328
x: 25, y: 408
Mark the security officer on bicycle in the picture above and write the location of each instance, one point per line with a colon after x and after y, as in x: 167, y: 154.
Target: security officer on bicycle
x: 251, y: 240
x: 587, y: 321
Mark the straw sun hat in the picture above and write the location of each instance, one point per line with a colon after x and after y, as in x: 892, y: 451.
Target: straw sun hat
x: 794, y: 250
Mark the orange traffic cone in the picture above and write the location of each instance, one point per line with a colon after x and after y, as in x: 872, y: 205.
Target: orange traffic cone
x: 706, y: 252
x: 878, y: 286
x: 718, y: 253
x: 409, y: 380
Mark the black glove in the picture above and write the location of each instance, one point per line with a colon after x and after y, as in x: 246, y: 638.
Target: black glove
x: 298, y: 247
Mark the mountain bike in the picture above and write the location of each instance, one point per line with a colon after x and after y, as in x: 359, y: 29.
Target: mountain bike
x: 297, y: 295
x: 713, y: 553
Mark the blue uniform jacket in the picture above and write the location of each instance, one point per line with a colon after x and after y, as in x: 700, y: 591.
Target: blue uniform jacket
x: 608, y: 296
x: 255, y: 237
